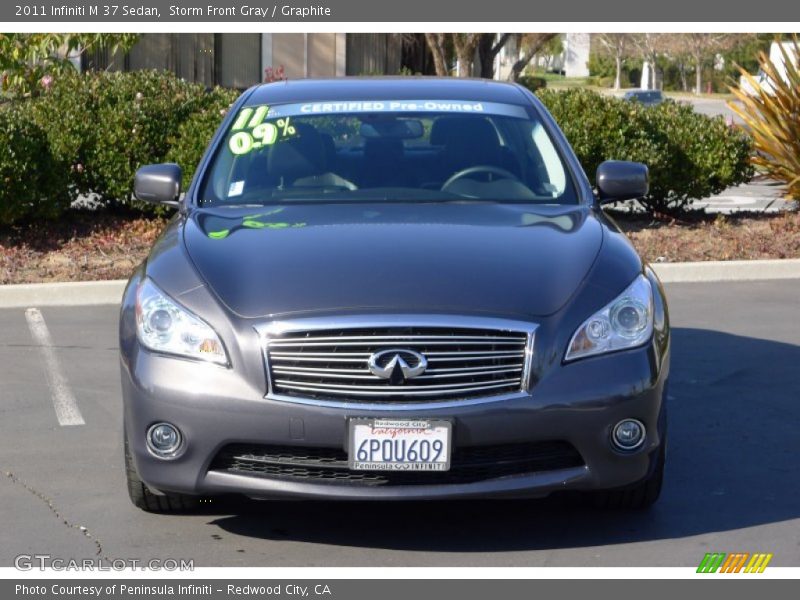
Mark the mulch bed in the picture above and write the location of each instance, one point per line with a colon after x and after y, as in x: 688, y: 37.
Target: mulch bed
x: 81, y: 247
x: 106, y: 245
x: 742, y: 236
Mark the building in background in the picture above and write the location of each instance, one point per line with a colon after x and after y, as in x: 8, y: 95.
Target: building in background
x: 576, y: 54
x: 238, y: 60
x: 778, y: 52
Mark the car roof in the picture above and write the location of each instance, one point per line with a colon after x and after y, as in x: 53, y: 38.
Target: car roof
x: 387, y: 88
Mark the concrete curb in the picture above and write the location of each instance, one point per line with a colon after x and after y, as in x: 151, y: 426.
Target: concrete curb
x: 728, y: 270
x: 89, y: 293
x: 74, y: 293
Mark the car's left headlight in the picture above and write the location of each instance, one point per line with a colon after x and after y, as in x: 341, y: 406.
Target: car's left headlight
x: 162, y: 325
x: 625, y: 322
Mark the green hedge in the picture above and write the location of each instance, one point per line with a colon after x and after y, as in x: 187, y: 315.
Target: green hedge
x: 690, y: 156
x: 532, y: 82
x: 66, y: 116
x: 189, y: 142
x: 33, y: 184
x: 107, y: 125
x: 89, y: 133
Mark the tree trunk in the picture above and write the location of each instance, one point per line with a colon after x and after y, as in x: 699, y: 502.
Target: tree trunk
x: 698, y: 78
x: 519, y: 66
x: 436, y: 42
x: 466, y: 45
x: 655, y: 80
x: 488, y: 50
x: 533, y: 46
x: 486, y: 55
x: 465, y: 60
x: 618, y: 76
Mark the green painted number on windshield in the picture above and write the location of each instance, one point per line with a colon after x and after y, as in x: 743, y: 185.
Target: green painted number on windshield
x: 252, y: 133
x: 241, y: 143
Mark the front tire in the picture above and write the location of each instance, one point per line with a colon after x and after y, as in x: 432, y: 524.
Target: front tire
x: 142, y: 497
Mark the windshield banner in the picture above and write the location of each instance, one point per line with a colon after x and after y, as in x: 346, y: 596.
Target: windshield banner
x: 398, y: 106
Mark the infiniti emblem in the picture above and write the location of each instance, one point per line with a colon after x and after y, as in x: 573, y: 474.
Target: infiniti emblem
x: 397, y: 365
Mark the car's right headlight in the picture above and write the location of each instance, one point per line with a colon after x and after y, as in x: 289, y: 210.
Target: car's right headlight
x: 162, y: 325
x: 625, y: 322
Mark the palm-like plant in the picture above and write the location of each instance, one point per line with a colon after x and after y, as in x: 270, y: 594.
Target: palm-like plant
x: 770, y: 110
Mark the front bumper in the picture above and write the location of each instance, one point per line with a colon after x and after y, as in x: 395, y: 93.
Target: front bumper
x: 214, y: 406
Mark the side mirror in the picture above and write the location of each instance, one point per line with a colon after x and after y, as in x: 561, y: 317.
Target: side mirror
x: 158, y: 184
x: 622, y: 180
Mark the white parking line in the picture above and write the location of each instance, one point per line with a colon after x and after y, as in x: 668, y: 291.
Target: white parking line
x: 64, y: 402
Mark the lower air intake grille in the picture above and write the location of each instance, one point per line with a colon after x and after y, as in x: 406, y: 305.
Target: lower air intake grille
x: 468, y: 464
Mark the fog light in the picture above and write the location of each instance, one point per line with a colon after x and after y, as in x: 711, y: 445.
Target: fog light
x: 163, y: 440
x: 628, y: 434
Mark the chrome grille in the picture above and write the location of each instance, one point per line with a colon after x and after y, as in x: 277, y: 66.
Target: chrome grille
x: 463, y: 362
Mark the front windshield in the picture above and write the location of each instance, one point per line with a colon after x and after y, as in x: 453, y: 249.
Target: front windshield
x: 422, y: 150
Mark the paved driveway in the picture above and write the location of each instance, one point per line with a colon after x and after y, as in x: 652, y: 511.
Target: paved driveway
x: 759, y: 195
x: 711, y: 107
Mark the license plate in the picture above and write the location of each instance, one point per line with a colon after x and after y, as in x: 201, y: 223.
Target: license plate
x: 399, y: 445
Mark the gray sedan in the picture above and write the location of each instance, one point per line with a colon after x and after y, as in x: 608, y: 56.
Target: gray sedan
x: 392, y: 289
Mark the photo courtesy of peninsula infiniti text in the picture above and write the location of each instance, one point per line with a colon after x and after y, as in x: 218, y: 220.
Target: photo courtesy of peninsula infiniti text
x: 393, y: 289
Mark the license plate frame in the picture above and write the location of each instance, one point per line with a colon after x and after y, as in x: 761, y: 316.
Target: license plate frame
x: 439, y: 428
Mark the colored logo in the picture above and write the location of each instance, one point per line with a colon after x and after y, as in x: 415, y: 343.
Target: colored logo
x: 737, y: 562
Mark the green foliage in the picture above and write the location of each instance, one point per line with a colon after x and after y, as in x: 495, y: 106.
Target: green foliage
x: 746, y: 55
x: 67, y: 114
x: 603, y: 69
x: 603, y: 82
x: 137, y: 114
x: 194, y: 134
x: 88, y: 134
x: 690, y: 156
x: 601, y: 64
x: 406, y: 71
x: 29, y: 61
x: 532, y: 82
x: 107, y: 125
x: 32, y: 183
x: 552, y: 47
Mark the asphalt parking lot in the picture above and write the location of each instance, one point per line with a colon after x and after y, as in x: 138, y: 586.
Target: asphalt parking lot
x: 711, y: 106
x: 732, y: 474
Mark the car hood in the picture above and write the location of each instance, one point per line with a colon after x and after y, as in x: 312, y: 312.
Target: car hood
x: 464, y: 257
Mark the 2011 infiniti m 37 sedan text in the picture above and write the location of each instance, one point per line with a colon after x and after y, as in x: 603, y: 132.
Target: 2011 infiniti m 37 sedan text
x: 392, y: 289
